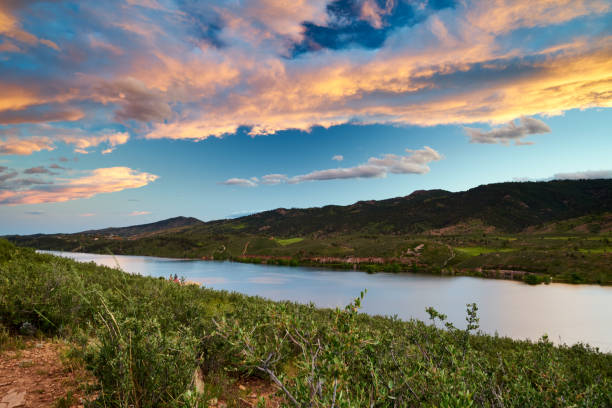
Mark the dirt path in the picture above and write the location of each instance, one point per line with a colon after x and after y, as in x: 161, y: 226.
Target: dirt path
x: 38, y: 376
x: 246, y: 246
x: 41, y: 375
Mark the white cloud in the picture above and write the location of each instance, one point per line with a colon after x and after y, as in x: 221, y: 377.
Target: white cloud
x: 510, y: 132
x: 240, y: 182
x: 338, y: 157
x: 415, y: 162
x: 274, y: 178
x: 584, y: 175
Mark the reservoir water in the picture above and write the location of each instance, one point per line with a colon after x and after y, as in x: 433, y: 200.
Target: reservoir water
x: 566, y: 313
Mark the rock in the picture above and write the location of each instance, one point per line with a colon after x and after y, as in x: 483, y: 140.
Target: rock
x: 198, y: 380
x: 13, y: 399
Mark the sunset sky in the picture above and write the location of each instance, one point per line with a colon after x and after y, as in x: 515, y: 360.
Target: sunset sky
x: 121, y: 112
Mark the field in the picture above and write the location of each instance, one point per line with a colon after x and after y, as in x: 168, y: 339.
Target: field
x: 142, y: 339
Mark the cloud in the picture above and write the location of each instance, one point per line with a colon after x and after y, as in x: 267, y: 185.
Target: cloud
x: 16, y: 146
x: 192, y: 70
x: 7, y: 176
x: 84, y: 142
x: 3, y: 169
x: 36, y: 115
x: 584, y: 175
x: 87, y: 214
x: 136, y: 100
x: 98, y: 181
x: 274, y: 179
x: 37, y: 170
x: 416, y: 162
x: 137, y: 213
x: 81, y: 140
x: 240, y: 182
x: 510, y: 132
x: 55, y: 166
x: 10, y: 27
x: 338, y: 157
x: 35, y: 212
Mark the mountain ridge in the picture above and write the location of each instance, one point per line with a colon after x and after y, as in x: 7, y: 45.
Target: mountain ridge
x: 510, y: 207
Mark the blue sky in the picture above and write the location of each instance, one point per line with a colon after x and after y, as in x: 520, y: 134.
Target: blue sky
x: 143, y: 110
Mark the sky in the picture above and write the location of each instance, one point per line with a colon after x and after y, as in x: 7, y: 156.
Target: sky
x: 123, y: 112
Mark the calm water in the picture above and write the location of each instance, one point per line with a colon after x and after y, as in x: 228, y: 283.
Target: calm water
x: 567, y: 313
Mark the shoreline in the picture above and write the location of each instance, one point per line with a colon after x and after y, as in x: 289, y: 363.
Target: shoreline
x: 340, y: 264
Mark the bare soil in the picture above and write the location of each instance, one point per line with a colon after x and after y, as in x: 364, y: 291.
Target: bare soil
x: 39, y: 376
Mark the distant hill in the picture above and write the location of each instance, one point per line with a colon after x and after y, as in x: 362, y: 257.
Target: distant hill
x: 503, y: 207
x: 171, y: 224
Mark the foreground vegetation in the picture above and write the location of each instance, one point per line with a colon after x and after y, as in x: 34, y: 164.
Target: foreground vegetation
x: 143, y: 339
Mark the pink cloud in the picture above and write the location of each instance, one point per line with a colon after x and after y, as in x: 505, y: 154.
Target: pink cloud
x: 98, y: 181
x: 137, y: 213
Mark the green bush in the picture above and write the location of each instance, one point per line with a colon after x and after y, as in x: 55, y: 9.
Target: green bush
x: 137, y: 364
x: 144, y: 337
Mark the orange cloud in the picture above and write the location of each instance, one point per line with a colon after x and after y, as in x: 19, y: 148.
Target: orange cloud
x: 13, y: 145
x: 104, y: 180
x: 17, y: 146
x: 456, y: 67
x: 11, y: 28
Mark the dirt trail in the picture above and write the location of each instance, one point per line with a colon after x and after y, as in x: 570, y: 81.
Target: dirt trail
x: 37, y: 377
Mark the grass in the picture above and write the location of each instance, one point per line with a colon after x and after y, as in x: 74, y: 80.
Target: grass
x: 289, y: 241
x: 604, y: 250
x: 475, y: 251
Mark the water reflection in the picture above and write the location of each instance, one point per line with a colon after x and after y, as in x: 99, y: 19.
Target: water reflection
x: 567, y: 313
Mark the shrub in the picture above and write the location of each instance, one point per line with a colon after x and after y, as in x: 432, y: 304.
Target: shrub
x: 137, y: 364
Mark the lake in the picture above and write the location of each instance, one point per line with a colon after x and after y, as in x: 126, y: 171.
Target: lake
x: 567, y: 313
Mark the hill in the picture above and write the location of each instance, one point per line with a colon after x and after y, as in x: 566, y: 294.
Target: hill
x: 504, y: 207
x: 171, y: 224
x: 558, y: 229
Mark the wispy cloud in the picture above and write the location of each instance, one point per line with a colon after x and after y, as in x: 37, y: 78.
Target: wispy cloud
x: 104, y: 180
x: 81, y: 140
x: 338, y: 157
x: 35, y: 212
x: 137, y: 213
x: 252, y: 182
x: 415, y: 162
x: 581, y: 175
x: 510, y: 132
x: 37, y: 170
